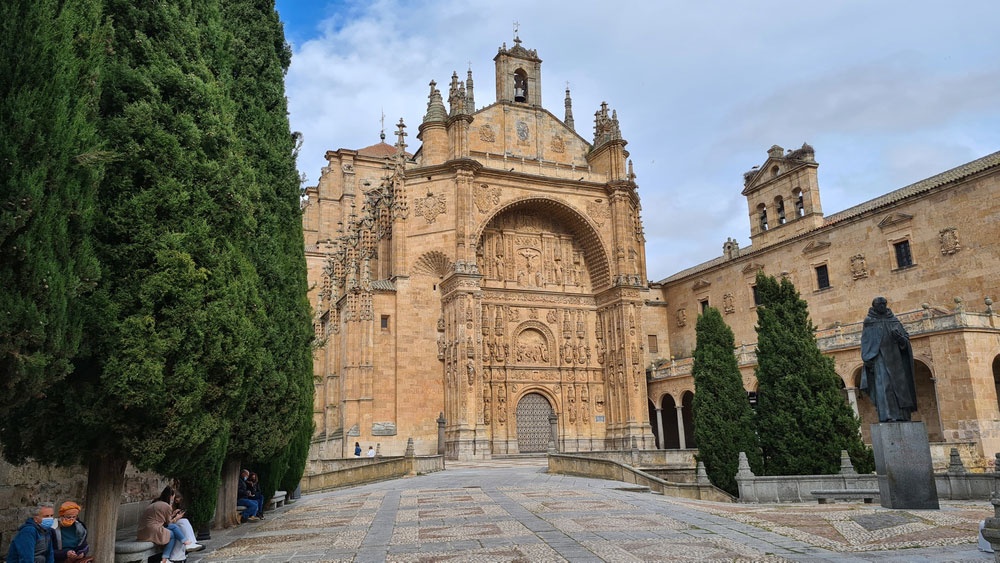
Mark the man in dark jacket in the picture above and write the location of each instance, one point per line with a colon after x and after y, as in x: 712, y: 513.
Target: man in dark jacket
x: 244, y: 498
x: 34, y: 539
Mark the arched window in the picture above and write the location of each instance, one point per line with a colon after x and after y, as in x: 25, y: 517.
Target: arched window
x: 520, y: 86
x: 800, y: 209
x: 762, y: 216
x: 779, y: 205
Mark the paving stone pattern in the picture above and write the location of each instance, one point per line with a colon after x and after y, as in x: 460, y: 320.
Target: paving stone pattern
x: 515, y: 511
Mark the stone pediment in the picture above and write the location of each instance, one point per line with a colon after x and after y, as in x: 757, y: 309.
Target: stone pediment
x: 701, y: 284
x: 816, y: 246
x: 520, y: 132
x: 752, y: 268
x: 894, y: 220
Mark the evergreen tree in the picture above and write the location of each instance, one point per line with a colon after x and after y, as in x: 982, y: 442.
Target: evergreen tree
x: 282, y: 390
x: 171, y: 330
x: 802, y: 417
x: 50, y: 165
x: 723, y: 419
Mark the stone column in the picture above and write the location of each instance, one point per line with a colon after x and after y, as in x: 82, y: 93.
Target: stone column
x: 680, y: 426
x: 852, y: 397
x: 659, y: 427
x: 553, y: 432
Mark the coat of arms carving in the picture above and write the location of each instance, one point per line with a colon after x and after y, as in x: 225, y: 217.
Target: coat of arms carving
x: 486, y: 134
x: 949, y: 241
x: 859, y: 269
x: 486, y: 197
x: 430, y: 207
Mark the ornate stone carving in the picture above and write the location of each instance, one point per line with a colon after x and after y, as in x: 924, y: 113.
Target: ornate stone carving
x: 558, y: 144
x: 486, y: 197
x: 486, y: 134
x: 949, y: 241
x: 681, y: 317
x: 552, y: 316
x: 727, y: 303
x: 430, y: 207
x: 859, y: 269
x: 522, y: 131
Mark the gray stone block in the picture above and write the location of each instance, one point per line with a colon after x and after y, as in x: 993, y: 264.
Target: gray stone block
x: 904, y: 466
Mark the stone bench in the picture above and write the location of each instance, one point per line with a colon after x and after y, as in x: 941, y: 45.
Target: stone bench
x: 824, y: 496
x: 131, y: 551
x: 278, y: 499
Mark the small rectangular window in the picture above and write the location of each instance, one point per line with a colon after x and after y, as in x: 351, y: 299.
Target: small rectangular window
x: 653, y: 348
x: 385, y: 322
x: 903, y: 257
x: 756, y: 297
x: 822, y: 277
x: 704, y: 305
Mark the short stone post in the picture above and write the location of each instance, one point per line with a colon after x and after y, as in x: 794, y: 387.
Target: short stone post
x: 701, y: 475
x: 991, y: 528
x: 441, y: 422
x: 410, y: 457
x: 955, y: 465
x: 378, y: 449
x: 745, y: 479
x: 846, y: 467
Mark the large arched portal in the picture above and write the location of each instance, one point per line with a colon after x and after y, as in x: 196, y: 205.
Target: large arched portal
x: 533, y: 431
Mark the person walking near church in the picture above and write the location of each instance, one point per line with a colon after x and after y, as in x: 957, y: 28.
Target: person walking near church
x: 371, y: 451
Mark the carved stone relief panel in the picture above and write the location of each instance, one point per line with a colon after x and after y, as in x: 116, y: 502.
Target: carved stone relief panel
x: 430, y: 207
x: 681, y: 317
x: 486, y: 197
x: 558, y: 144
x: 531, y: 347
x: 728, y: 305
x: 487, y: 134
x: 859, y: 269
x: 949, y: 241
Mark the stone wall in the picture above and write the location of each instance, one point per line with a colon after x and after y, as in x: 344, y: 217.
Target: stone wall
x: 24, y: 487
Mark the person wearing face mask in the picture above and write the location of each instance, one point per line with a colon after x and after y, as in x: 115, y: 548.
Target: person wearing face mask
x: 71, y: 535
x: 35, y: 539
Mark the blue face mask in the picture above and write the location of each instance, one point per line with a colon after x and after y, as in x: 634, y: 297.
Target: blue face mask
x: 49, y: 522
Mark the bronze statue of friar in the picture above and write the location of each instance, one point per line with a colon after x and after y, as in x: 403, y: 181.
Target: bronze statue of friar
x: 887, y: 376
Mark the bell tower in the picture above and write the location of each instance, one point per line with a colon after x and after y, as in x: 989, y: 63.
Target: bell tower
x: 519, y: 75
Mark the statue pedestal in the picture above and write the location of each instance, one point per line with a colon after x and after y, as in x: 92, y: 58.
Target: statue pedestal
x: 904, y: 467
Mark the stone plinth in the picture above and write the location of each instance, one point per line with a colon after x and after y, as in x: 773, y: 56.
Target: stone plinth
x: 904, y: 467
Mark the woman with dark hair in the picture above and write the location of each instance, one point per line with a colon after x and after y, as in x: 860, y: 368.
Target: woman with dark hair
x: 158, y: 524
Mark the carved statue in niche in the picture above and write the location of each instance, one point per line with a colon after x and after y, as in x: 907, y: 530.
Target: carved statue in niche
x: 440, y: 346
x: 501, y: 404
x: 859, y: 269
x: 486, y: 405
x: 571, y: 396
x: 500, y: 267
x: 599, y: 400
x: 470, y: 368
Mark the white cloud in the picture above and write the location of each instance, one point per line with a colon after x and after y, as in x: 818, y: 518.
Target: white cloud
x: 887, y: 93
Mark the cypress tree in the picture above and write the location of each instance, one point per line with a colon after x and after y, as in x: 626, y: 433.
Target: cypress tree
x: 723, y: 419
x: 280, y: 398
x: 803, y: 420
x: 50, y: 165
x: 170, y: 326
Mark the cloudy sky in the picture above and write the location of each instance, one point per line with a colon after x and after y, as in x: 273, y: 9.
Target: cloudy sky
x: 887, y: 92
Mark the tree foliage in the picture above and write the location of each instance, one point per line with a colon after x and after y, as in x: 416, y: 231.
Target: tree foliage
x: 723, y: 419
x: 803, y: 419
x: 283, y: 386
x: 50, y: 166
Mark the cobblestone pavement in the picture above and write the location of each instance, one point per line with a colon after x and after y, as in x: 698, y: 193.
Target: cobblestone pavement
x: 513, y: 510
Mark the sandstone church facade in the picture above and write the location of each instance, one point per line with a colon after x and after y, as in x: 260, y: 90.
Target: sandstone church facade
x: 492, y: 285
x: 496, y: 276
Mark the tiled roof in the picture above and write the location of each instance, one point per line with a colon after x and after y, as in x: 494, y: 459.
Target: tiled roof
x: 383, y: 285
x: 379, y: 150
x: 955, y: 174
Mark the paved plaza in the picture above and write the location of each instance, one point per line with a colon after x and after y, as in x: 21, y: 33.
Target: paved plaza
x: 513, y: 510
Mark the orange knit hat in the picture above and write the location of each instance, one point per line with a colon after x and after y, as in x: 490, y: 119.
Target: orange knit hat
x: 67, y: 506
